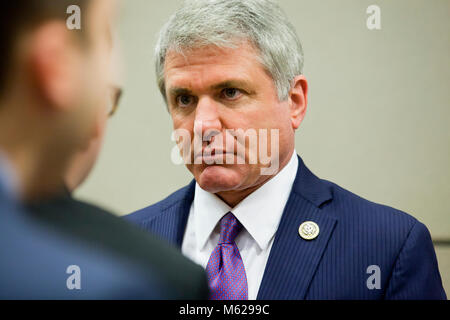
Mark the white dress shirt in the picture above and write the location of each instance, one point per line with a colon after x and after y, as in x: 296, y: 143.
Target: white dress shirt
x: 259, y: 213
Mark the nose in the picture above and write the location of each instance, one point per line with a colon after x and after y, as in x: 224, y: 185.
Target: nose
x: 207, y: 120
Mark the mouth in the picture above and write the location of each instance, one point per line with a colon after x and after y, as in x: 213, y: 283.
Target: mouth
x: 209, y: 156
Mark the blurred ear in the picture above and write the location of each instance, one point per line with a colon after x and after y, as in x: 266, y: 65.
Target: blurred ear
x: 55, y: 62
x: 298, y: 98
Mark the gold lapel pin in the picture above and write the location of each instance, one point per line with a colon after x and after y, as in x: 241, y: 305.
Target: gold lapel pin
x: 308, y: 230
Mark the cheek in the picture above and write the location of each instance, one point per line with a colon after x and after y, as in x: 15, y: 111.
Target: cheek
x: 101, y: 64
x: 177, y: 121
x: 251, y: 120
x: 184, y: 124
x: 277, y: 116
x: 183, y: 136
x: 103, y: 79
x: 264, y: 113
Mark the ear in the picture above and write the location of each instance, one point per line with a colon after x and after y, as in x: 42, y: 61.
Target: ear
x: 54, y: 63
x: 298, y: 100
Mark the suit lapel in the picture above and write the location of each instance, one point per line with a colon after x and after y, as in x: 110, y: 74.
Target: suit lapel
x: 293, y: 261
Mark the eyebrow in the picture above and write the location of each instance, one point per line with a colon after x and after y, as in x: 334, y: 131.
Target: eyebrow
x: 230, y: 84
x: 176, y: 91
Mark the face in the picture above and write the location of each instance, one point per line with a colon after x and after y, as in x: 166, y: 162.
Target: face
x: 211, y: 91
x: 90, y: 78
x: 83, y: 162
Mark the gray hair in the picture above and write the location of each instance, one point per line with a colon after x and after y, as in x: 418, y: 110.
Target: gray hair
x: 227, y: 23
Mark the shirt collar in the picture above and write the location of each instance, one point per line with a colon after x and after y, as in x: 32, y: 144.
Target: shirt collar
x: 259, y: 213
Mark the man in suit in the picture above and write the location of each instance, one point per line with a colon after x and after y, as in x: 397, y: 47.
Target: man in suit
x: 262, y: 225
x: 54, y: 91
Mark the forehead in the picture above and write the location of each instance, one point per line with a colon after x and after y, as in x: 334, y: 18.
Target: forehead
x: 210, y: 64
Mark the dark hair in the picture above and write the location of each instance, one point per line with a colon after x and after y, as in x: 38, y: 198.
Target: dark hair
x: 20, y: 16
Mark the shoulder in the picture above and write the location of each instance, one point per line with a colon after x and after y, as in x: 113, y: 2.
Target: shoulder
x: 369, y: 227
x: 350, y: 207
x: 32, y: 241
x: 153, y: 211
x: 352, y: 212
x: 68, y: 230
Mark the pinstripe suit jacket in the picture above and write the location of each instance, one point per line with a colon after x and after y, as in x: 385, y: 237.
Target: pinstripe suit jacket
x: 354, y: 234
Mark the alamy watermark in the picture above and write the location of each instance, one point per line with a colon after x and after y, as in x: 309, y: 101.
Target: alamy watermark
x: 73, y: 22
x: 73, y: 282
x: 374, y: 280
x: 373, y: 21
x: 231, y: 146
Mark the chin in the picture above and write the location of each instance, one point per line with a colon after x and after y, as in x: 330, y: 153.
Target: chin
x: 218, y: 178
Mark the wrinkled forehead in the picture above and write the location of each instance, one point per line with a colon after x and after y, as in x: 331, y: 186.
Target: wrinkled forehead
x: 210, y: 63
x: 199, y: 51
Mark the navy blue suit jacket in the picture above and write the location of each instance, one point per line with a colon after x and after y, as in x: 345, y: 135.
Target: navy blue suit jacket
x: 35, y: 256
x: 354, y: 235
x: 34, y: 261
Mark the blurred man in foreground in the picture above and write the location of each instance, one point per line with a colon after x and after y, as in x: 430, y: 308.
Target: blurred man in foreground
x: 54, y: 90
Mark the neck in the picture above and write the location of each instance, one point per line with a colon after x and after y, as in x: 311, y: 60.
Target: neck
x: 233, y: 198
x: 37, y: 169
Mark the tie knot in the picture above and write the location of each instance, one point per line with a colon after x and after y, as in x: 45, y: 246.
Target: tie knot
x: 229, y: 228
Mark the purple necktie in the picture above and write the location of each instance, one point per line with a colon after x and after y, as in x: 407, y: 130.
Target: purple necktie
x: 225, y: 269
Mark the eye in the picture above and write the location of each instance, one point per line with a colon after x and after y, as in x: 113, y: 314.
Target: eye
x: 231, y: 93
x: 184, y: 100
